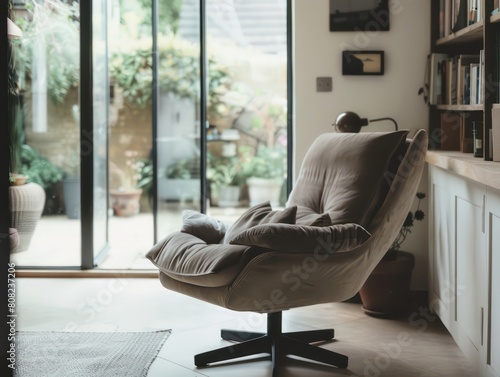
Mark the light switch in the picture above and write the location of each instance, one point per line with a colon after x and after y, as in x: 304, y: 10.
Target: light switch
x: 323, y: 84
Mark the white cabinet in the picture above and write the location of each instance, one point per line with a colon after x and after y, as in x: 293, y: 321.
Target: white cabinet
x: 458, y: 258
x: 464, y: 246
x: 492, y: 354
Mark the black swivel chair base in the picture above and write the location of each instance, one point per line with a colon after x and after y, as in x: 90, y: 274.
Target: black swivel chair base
x: 276, y: 344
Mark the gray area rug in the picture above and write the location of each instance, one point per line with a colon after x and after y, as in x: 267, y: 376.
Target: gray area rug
x: 87, y: 354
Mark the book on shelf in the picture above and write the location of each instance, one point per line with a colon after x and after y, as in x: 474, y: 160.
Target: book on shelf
x: 452, y: 71
x: 480, y: 80
x: 457, y: 14
x: 444, y: 18
x: 437, y: 86
x: 465, y: 84
x: 455, y: 80
x: 475, y: 11
x: 495, y: 133
x: 474, y: 84
x: 460, y: 15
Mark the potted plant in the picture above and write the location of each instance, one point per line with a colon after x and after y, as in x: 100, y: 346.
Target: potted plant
x: 265, y: 175
x: 44, y: 173
x: 386, y: 290
x: 125, y: 199
x: 180, y: 180
x: 224, y: 177
x: 26, y: 201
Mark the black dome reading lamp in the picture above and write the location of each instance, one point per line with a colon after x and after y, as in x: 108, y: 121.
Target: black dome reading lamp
x: 351, y: 122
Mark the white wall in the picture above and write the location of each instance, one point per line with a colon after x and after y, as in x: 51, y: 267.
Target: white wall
x: 395, y: 94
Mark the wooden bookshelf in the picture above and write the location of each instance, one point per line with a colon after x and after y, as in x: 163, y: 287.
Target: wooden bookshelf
x: 470, y: 40
x: 471, y: 33
x: 460, y: 107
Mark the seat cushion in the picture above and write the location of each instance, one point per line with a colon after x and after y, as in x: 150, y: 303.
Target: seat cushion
x: 260, y: 214
x: 189, y: 259
x: 301, y: 238
x: 347, y: 175
x: 202, y: 226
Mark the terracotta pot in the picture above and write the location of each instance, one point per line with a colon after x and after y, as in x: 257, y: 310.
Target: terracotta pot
x: 125, y: 203
x: 386, y: 290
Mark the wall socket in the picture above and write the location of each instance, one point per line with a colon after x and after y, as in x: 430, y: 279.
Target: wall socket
x: 323, y: 84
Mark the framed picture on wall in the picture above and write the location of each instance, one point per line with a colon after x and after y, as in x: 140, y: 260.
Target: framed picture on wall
x: 359, y: 15
x: 361, y: 63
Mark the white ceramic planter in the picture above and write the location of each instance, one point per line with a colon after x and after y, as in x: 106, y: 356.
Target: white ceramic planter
x: 264, y: 189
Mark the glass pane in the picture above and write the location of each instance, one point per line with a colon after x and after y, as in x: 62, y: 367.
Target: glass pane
x: 100, y: 135
x: 178, y: 131
x: 48, y: 139
x: 247, y: 105
x: 130, y: 134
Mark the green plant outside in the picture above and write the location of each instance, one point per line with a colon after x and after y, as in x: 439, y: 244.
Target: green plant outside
x: 55, y: 26
x: 178, y: 74
x: 268, y: 163
x: 39, y: 169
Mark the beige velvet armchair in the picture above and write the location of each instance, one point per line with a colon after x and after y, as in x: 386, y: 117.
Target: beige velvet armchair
x: 351, y: 197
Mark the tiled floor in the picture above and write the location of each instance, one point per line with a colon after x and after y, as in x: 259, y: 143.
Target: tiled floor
x: 409, y: 346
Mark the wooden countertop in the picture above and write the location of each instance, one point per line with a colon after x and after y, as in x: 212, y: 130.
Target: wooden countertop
x: 466, y: 165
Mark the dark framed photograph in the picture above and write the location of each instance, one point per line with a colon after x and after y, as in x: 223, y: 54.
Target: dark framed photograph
x: 361, y: 63
x: 359, y: 15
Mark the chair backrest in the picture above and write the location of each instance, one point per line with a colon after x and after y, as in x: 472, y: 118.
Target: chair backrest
x: 347, y: 175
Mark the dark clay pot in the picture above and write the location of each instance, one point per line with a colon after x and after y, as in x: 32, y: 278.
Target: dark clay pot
x: 386, y: 291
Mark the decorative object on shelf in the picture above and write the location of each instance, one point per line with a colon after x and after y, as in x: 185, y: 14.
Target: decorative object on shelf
x: 364, y: 15
x: 26, y: 206
x: 362, y: 63
x: 351, y: 122
x: 386, y: 290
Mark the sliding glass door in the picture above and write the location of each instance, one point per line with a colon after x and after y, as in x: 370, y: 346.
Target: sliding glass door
x: 133, y: 111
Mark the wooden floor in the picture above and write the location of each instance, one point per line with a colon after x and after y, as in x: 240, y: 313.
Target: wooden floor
x: 415, y: 344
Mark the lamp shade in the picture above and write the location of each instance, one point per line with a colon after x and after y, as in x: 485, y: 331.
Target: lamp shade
x: 350, y: 122
x: 13, y: 30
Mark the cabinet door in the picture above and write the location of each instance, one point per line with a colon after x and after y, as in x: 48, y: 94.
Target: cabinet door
x: 493, y: 243
x: 470, y: 265
x: 442, y: 244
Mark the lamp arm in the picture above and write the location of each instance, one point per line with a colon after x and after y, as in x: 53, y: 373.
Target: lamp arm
x: 392, y: 120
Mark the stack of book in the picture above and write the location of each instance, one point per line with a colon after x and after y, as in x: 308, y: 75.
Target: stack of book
x: 456, y: 80
x: 457, y: 14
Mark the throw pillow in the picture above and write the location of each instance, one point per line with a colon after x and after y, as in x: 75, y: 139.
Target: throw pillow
x: 204, y: 227
x: 260, y: 214
x: 298, y: 238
